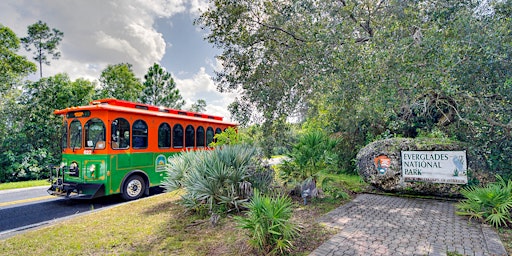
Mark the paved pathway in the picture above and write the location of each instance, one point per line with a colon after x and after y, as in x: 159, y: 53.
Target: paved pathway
x: 385, y: 225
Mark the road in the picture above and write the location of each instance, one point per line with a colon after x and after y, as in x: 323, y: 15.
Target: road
x: 24, y: 209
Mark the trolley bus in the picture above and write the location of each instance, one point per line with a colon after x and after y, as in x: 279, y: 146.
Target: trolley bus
x: 119, y: 147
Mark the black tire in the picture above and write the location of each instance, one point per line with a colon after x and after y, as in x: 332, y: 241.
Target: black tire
x: 133, y: 188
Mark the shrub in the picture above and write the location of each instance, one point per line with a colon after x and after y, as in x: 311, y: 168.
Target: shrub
x: 229, y: 136
x: 268, y: 223
x: 219, y: 179
x: 312, y: 154
x: 491, y: 204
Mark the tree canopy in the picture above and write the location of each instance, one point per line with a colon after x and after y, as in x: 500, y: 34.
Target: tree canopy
x: 118, y: 81
x: 370, y: 69
x: 160, y: 89
x: 198, y: 106
x: 45, y: 42
x: 12, y: 66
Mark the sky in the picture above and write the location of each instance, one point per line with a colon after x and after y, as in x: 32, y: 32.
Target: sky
x: 98, y: 33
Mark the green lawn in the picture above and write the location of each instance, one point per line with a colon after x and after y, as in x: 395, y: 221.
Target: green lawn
x: 157, y: 225
x: 24, y: 184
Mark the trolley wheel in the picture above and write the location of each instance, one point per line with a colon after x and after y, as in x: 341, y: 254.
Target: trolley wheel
x: 133, y: 188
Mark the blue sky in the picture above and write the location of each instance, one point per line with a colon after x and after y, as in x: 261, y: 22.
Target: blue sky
x: 141, y: 32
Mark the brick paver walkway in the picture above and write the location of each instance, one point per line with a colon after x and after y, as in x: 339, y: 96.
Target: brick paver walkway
x: 385, y: 225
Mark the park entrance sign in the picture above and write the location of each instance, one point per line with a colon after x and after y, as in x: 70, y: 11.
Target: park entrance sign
x: 434, y: 166
x: 421, y: 166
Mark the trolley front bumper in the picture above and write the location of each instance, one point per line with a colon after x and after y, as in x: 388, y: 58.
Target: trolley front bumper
x: 76, y: 190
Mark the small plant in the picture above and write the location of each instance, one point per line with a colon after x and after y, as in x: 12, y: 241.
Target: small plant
x: 310, y: 155
x: 330, y: 188
x: 268, y: 221
x: 491, y: 204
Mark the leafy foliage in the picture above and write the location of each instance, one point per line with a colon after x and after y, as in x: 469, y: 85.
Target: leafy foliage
x: 367, y: 69
x: 218, y: 179
x: 160, y: 89
x: 229, y: 136
x: 491, y: 204
x: 199, y: 106
x: 30, y: 132
x: 118, y: 81
x: 310, y: 155
x: 268, y: 223
x: 12, y: 65
x: 31, y: 141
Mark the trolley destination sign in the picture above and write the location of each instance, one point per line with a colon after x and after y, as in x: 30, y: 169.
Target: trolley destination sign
x: 434, y: 166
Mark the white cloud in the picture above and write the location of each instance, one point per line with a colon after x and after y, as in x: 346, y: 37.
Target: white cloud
x: 163, y: 8
x: 97, y: 32
x: 198, y: 6
x: 202, y: 86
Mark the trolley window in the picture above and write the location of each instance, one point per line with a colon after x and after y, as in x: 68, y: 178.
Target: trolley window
x: 75, y: 132
x: 200, y: 137
x: 164, y: 135
x: 189, y: 136
x: 140, y: 134
x: 120, y: 134
x: 95, y: 134
x: 64, y: 132
x: 177, y: 138
x: 209, y: 135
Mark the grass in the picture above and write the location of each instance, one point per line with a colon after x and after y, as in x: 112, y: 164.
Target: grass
x: 353, y: 183
x: 506, y: 238
x: 158, y: 225
x: 23, y: 184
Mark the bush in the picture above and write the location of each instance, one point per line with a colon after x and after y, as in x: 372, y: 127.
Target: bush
x: 229, y: 136
x: 312, y: 154
x: 268, y: 221
x: 490, y: 204
x: 218, y: 180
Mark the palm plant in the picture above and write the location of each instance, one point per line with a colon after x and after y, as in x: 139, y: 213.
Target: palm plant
x: 219, y: 179
x: 268, y: 221
x: 309, y: 156
x: 491, y: 204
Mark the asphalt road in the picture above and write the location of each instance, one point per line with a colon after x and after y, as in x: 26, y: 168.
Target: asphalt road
x: 25, y: 209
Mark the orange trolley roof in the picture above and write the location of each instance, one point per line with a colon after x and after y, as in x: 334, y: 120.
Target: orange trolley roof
x: 128, y: 106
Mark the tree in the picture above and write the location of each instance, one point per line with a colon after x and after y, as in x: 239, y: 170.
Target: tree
x: 199, y: 106
x: 32, y: 138
x: 368, y: 69
x: 12, y: 66
x: 118, y: 81
x: 45, y: 42
x: 160, y: 89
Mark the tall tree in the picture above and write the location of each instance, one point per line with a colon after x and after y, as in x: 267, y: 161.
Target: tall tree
x: 365, y: 69
x: 160, y: 89
x: 199, y: 106
x: 118, y: 81
x: 45, y: 42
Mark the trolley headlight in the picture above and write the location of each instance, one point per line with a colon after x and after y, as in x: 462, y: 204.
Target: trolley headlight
x: 92, y: 168
x: 73, y: 169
